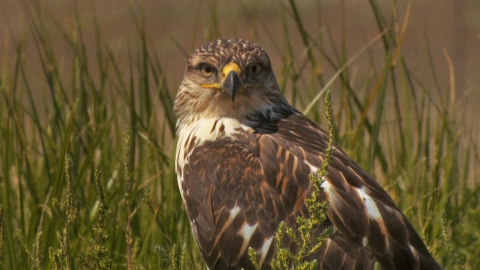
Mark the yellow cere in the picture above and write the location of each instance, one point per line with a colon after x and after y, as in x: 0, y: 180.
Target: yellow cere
x: 231, y: 67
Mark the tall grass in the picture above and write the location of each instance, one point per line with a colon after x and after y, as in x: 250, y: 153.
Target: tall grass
x: 87, y: 171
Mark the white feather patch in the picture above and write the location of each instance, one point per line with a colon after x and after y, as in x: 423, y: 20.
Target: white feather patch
x: 372, y: 208
x: 264, y: 250
x: 365, y: 241
x: 234, y: 212
x: 247, y: 231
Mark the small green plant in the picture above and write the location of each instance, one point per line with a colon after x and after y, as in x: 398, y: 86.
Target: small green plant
x: 172, y: 259
x: 128, y: 194
x: 68, y: 213
x: 98, y: 257
x: 132, y: 207
x: 448, y: 243
x: 35, y: 255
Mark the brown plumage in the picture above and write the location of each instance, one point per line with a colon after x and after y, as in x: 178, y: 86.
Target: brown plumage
x: 243, y: 160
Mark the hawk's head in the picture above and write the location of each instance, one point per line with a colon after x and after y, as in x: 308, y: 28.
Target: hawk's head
x: 227, y: 78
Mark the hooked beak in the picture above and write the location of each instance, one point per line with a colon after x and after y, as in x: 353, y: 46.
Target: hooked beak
x: 232, y: 82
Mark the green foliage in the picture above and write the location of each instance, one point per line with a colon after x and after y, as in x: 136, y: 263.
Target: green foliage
x: 172, y: 258
x: 36, y: 254
x: 106, y: 106
x: 98, y: 256
x: 68, y: 214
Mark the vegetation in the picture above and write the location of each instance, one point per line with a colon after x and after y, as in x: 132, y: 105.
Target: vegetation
x: 87, y: 177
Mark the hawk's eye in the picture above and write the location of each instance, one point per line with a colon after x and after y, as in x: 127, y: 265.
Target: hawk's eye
x: 255, y: 69
x: 207, y: 70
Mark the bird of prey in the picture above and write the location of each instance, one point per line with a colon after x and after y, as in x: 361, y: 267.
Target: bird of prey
x: 243, y: 160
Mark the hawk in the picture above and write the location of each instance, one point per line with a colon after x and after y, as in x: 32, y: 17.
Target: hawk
x: 243, y: 160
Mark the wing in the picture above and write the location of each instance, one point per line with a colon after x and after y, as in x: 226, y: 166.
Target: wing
x: 238, y: 190
x: 359, y: 209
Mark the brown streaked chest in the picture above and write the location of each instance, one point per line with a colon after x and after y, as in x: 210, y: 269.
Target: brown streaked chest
x: 198, y: 132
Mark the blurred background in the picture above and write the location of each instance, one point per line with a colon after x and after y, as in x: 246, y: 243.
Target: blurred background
x: 175, y: 28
